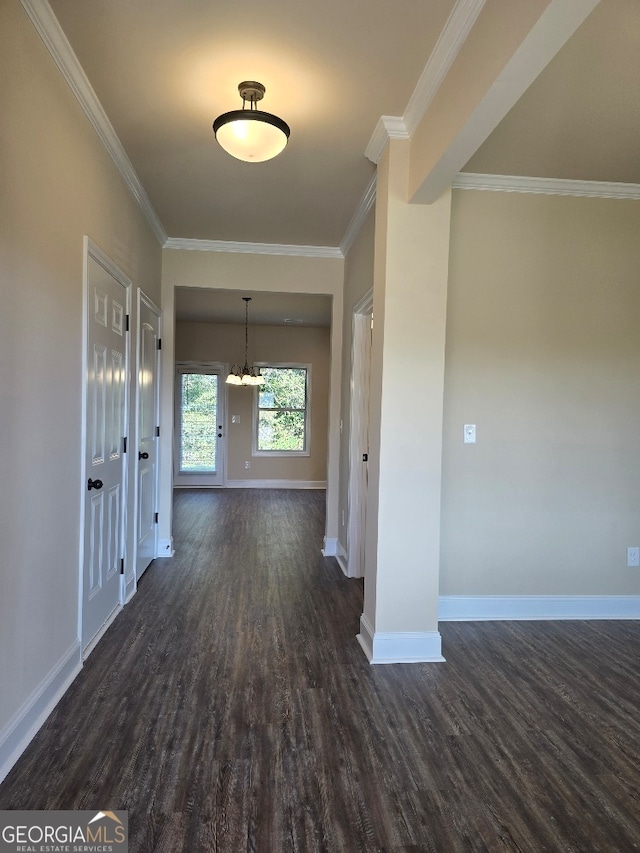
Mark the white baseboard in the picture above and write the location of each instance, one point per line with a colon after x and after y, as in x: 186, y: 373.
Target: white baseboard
x: 477, y: 608
x: 103, y: 630
x: 341, y: 557
x: 329, y: 547
x: 276, y: 484
x: 399, y: 646
x: 129, y: 589
x: 165, y: 548
x: 17, y: 735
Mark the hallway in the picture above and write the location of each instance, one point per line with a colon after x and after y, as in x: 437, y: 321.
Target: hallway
x: 230, y: 708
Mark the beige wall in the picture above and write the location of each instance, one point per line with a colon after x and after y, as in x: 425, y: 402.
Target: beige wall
x: 276, y: 344
x: 543, y: 354
x: 58, y: 184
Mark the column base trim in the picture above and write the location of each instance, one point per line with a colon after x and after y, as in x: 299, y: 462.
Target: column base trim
x: 399, y: 646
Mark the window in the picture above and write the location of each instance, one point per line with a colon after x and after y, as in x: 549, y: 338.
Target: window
x: 282, y: 421
x: 198, y: 406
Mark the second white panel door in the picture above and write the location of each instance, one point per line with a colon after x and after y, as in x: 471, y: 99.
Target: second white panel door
x: 147, y: 435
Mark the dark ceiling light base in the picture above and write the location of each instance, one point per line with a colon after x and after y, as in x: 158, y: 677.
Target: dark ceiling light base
x: 250, y: 134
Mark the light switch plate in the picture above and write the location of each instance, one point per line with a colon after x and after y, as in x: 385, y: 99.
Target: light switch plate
x: 469, y: 433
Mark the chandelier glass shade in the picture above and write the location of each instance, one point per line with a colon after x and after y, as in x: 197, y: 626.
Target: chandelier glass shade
x: 245, y: 375
x: 250, y: 134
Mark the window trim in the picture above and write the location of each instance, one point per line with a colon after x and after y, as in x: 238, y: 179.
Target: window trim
x: 307, y: 412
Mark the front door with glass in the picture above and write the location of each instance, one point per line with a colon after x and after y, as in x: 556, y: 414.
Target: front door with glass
x: 200, y: 425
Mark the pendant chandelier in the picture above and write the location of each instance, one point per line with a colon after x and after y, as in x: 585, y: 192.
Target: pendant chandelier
x: 247, y: 375
x: 250, y: 134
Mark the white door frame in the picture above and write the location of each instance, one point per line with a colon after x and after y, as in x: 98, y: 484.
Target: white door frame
x: 358, y: 434
x: 135, y: 443
x: 91, y: 250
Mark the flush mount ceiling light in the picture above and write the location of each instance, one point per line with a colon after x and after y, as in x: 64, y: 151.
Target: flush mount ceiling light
x: 248, y: 375
x: 250, y: 134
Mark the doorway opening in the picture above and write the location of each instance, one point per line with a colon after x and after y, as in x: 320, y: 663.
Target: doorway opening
x: 359, y: 435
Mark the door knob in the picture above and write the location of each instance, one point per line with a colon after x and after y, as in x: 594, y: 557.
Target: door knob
x: 94, y: 484
x: 144, y: 455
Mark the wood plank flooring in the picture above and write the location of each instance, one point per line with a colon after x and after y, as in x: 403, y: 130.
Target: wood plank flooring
x: 229, y: 708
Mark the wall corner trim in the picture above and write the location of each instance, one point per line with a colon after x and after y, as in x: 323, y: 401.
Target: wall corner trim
x: 399, y: 646
x: 19, y: 732
x: 479, y: 608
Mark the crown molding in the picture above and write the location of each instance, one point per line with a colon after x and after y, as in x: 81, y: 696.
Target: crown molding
x: 253, y: 248
x: 453, y: 36
x: 360, y: 216
x: 388, y: 127
x: 50, y: 31
x: 545, y: 186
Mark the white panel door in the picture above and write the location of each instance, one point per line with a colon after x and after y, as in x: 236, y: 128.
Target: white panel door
x: 106, y: 410
x: 147, y: 438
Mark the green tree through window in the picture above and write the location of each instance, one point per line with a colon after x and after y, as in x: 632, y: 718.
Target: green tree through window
x: 282, y: 410
x: 199, y: 401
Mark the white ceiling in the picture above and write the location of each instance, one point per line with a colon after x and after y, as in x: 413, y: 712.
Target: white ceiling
x: 163, y: 70
x: 580, y: 119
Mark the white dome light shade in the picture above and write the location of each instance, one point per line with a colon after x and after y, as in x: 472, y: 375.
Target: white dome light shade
x: 250, y: 134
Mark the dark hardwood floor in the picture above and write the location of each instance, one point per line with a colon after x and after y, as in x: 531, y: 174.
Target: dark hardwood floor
x: 230, y: 708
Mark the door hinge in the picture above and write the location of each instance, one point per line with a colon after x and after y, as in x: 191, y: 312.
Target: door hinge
x: 156, y: 518
x: 124, y: 444
x: 126, y: 328
x: 159, y: 343
x: 158, y: 432
x: 122, y: 566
